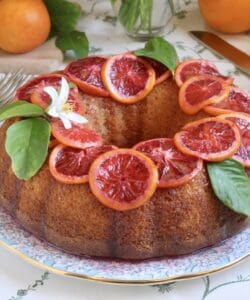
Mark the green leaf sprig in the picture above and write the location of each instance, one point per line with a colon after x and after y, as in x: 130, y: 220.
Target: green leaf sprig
x: 161, y: 50
x: 231, y: 185
x: 27, y: 145
x: 64, y: 16
x: 27, y: 140
x: 21, y: 109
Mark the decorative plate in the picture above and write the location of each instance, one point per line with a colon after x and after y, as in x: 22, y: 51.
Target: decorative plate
x: 153, y: 271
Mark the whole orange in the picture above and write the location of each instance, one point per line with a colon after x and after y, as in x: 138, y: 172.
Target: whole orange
x: 228, y: 16
x: 24, y: 25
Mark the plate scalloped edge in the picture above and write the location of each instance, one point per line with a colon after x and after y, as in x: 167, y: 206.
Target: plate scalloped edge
x: 154, y: 271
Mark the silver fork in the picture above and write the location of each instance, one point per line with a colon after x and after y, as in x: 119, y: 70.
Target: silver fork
x: 8, y: 85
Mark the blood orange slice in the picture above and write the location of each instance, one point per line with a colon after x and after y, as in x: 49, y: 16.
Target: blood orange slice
x: 128, y: 78
x: 243, y: 123
x: 26, y: 90
x: 86, y: 73
x: 41, y: 98
x: 200, y: 91
x: 174, y: 167
x: 71, y: 165
x: 123, y: 179
x: 237, y: 101
x: 196, y: 67
x: 78, y: 136
x: 211, y: 139
x: 161, y: 71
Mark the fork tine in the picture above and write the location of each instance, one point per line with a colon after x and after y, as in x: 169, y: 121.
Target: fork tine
x: 8, y: 87
x: 8, y: 95
x: 14, y: 85
x: 4, y: 80
x: 10, y: 91
x: 9, y: 76
x: 12, y: 80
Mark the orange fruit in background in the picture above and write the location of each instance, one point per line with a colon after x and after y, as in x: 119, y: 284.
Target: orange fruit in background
x: 24, y: 25
x: 228, y: 16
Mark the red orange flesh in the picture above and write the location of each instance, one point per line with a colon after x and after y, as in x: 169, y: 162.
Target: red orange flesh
x: 211, y: 139
x: 161, y: 71
x: 196, y: 67
x: 71, y: 165
x: 86, y: 74
x: 78, y: 136
x: 123, y: 179
x: 128, y: 78
x: 237, y: 101
x: 174, y: 167
x: 25, y: 91
x: 243, y: 124
x: 200, y: 91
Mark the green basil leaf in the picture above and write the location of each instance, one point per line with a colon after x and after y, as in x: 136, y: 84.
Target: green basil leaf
x: 63, y: 15
x: 231, y: 185
x: 21, y: 109
x: 129, y: 13
x: 74, y: 40
x: 160, y: 50
x: 27, y: 145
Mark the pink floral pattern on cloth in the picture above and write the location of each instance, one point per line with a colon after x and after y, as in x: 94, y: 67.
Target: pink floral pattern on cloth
x: 161, y: 269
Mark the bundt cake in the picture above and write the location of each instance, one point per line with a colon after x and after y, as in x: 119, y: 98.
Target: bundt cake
x: 174, y: 221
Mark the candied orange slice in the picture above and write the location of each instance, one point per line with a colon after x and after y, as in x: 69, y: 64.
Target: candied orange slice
x: 211, y: 139
x: 243, y: 123
x: 71, y: 165
x: 237, y: 101
x: 128, y: 78
x: 161, y: 71
x: 86, y: 74
x: 200, y: 91
x: 174, y: 167
x: 25, y: 91
x: 41, y: 98
x: 196, y: 67
x: 78, y: 136
x: 123, y: 179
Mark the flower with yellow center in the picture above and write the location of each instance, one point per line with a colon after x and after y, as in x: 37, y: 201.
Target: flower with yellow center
x: 59, y: 108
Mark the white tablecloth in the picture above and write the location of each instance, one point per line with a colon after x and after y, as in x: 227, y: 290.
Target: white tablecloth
x: 19, y: 280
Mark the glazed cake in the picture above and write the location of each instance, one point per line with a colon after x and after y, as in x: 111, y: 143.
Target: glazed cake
x: 177, y: 220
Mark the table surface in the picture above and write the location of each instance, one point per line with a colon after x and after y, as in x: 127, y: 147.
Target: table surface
x: 20, y: 280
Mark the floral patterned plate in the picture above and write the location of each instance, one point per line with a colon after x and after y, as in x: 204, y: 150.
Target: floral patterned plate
x: 152, y: 271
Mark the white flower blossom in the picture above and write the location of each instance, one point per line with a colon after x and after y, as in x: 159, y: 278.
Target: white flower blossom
x: 59, y: 108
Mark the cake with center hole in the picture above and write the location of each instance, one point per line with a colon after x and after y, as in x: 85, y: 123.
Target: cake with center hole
x: 174, y: 221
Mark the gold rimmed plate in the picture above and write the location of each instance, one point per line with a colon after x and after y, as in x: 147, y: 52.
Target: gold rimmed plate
x: 153, y: 271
